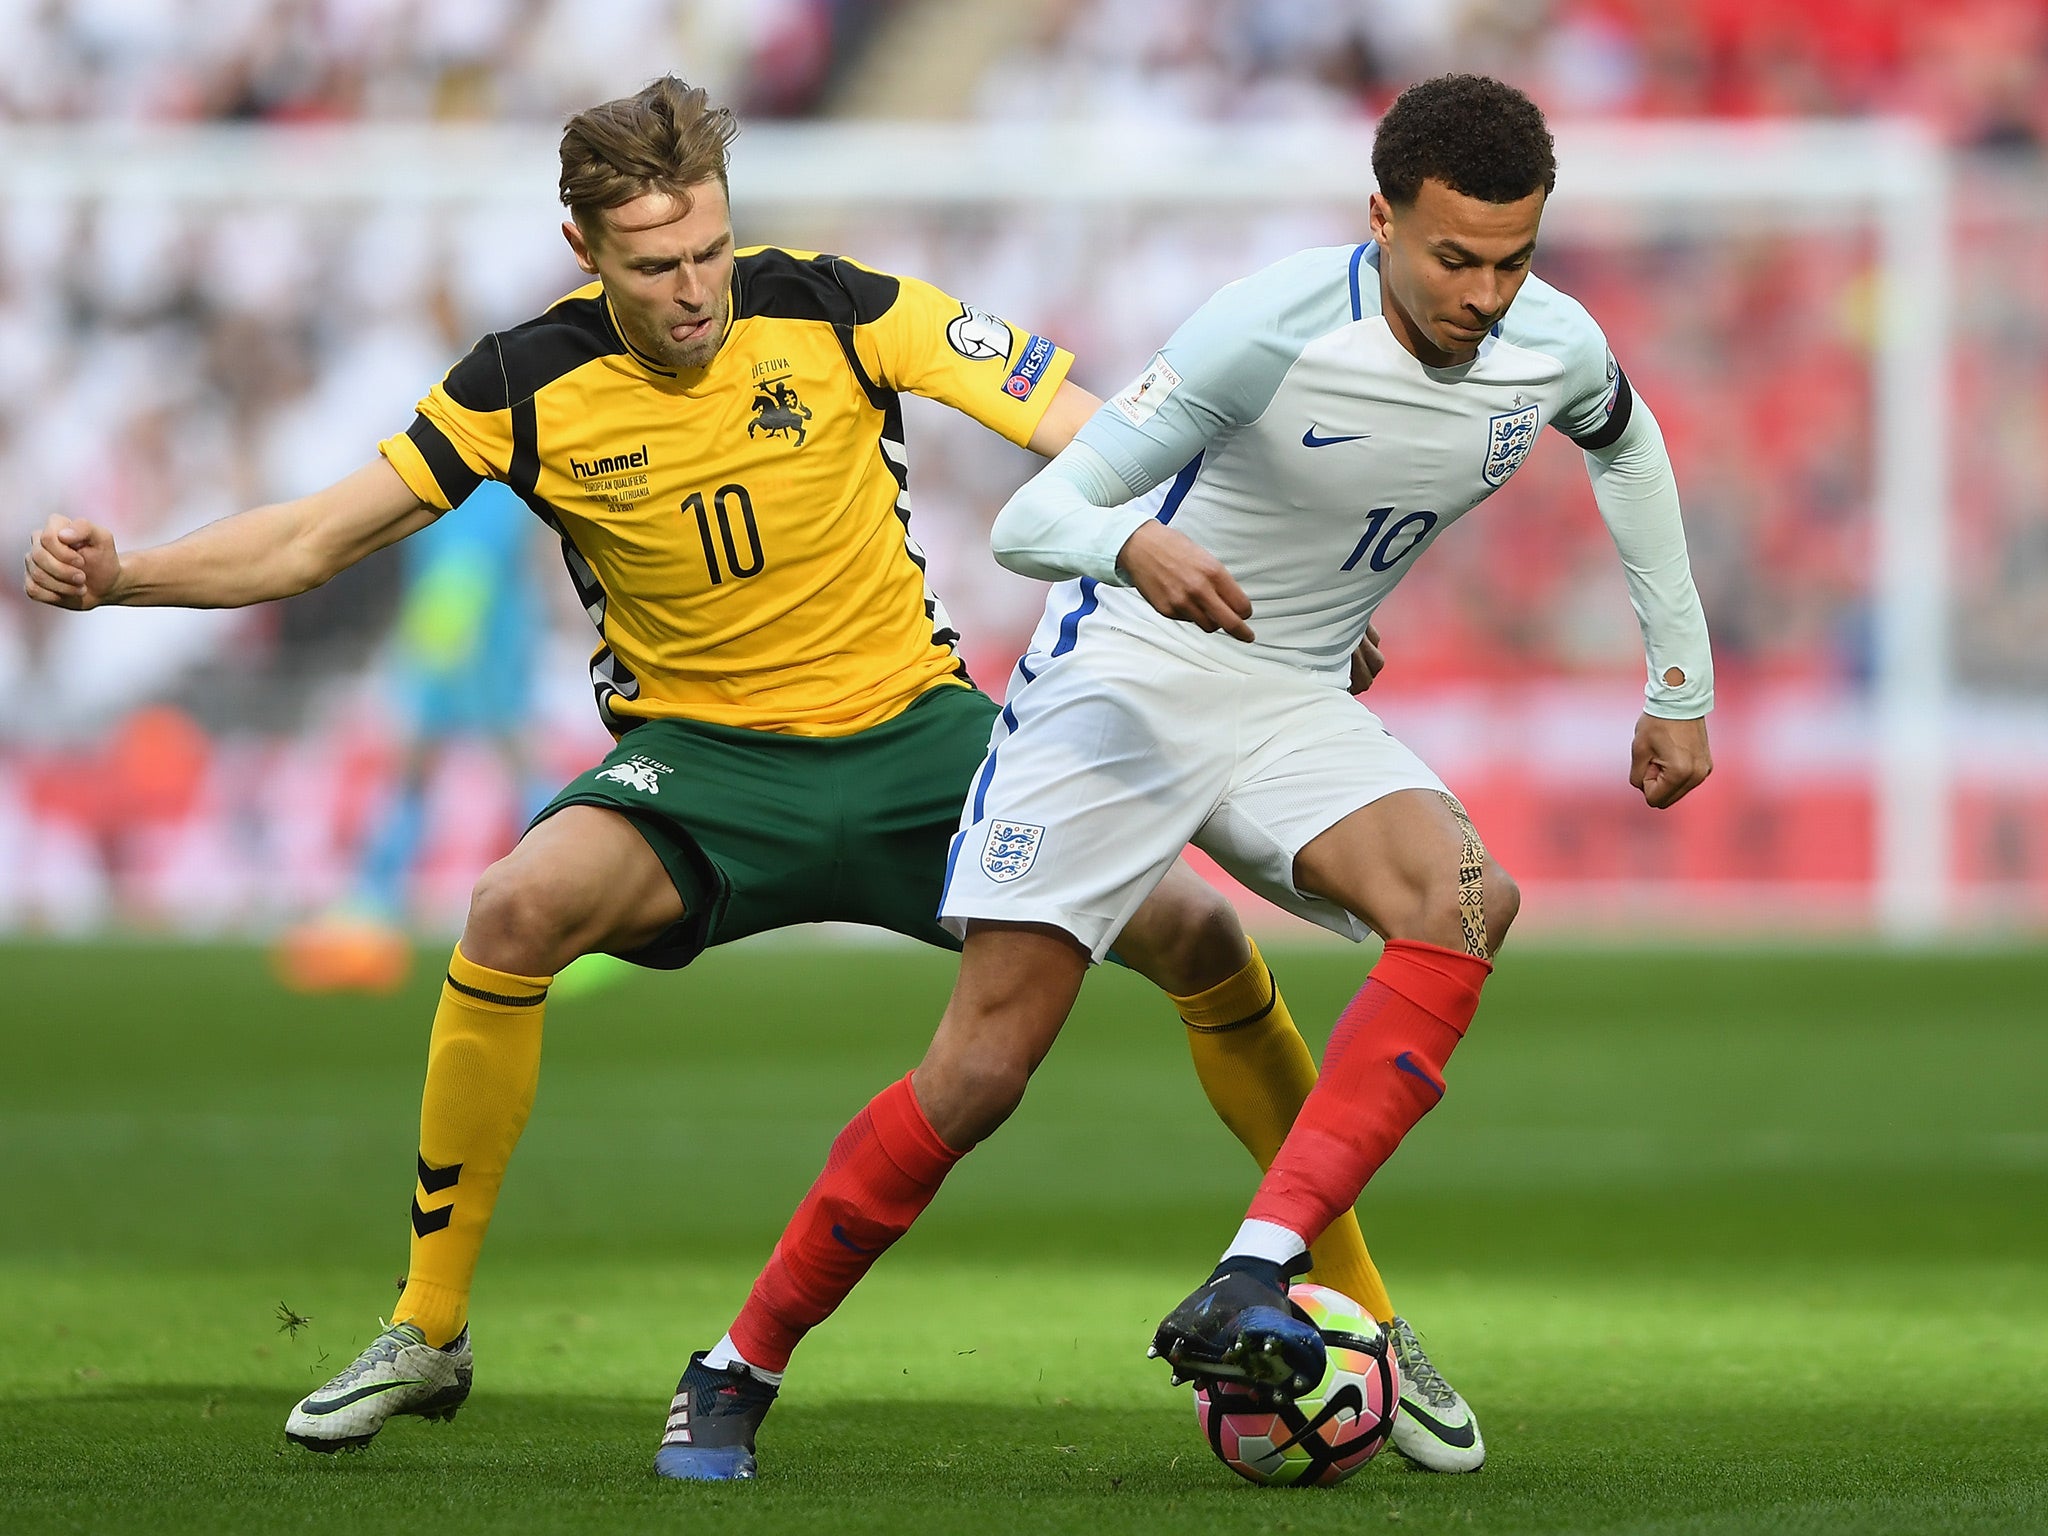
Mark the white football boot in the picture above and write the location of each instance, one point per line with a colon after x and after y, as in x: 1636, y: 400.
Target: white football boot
x: 399, y: 1373
x: 1435, y: 1428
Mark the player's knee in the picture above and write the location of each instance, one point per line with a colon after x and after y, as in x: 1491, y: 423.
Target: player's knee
x: 1186, y: 939
x: 1459, y: 913
x: 1503, y: 899
x: 967, y: 1096
x: 1448, y: 908
x: 514, y: 923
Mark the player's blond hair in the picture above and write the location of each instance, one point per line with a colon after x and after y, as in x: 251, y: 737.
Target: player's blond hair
x: 665, y: 137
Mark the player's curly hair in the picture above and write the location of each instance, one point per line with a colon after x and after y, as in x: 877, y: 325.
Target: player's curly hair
x: 1473, y: 133
x: 665, y: 137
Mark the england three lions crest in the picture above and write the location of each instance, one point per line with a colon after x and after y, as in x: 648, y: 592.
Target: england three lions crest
x: 1509, y: 437
x: 1011, y: 849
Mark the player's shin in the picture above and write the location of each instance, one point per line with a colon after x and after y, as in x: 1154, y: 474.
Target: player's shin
x: 483, y: 1065
x: 1257, y: 1071
x: 1383, y: 1071
x: 880, y: 1174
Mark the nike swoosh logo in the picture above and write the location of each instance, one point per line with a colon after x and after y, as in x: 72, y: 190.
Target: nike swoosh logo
x: 1346, y: 1399
x: 839, y: 1236
x: 1464, y: 1436
x: 1406, y: 1063
x: 334, y: 1403
x: 1310, y: 440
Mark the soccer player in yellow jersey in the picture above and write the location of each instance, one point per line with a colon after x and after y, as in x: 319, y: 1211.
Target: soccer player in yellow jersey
x: 717, y: 438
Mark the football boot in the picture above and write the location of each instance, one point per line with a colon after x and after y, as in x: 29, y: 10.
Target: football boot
x: 1240, y: 1326
x: 711, y: 1424
x: 399, y: 1373
x: 1436, y: 1428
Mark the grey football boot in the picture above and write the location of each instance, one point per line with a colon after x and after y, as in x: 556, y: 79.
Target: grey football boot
x: 1436, y: 1428
x: 399, y: 1373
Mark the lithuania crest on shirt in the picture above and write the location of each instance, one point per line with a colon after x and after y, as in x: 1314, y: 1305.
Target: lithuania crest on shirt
x: 1509, y: 437
x: 778, y: 412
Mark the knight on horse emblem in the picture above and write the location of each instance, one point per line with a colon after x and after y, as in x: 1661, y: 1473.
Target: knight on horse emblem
x: 778, y: 412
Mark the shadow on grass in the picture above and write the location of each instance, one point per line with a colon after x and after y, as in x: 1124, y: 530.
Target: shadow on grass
x: 199, y: 1459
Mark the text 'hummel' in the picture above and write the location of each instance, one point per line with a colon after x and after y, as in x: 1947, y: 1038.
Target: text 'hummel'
x: 610, y: 464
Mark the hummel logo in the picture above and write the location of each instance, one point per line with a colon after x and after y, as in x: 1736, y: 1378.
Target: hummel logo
x: 1310, y: 440
x: 610, y: 464
x: 425, y: 1223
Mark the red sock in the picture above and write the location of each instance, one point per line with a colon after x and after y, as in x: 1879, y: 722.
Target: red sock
x: 1382, y: 1072
x: 881, y: 1172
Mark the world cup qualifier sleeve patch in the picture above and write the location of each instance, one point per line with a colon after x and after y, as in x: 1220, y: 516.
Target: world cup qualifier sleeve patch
x: 1141, y: 401
x: 1010, y: 850
x: 978, y: 335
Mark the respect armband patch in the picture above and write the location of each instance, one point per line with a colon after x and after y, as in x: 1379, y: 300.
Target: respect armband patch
x: 1036, y: 357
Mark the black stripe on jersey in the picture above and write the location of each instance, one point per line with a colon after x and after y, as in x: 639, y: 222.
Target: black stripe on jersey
x: 781, y: 286
x: 890, y: 446
x: 509, y: 366
x: 522, y: 473
x: 456, y: 479
x: 777, y: 285
x: 1617, y: 420
x: 609, y: 678
x: 892, y: 437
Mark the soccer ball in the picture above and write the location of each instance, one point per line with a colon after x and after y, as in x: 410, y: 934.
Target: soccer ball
x: 1325, y: 1435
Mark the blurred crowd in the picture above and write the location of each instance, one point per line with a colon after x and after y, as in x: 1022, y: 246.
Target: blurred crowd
x: 1978, y: 68
x: 323, y: 60
x: 162, y: 365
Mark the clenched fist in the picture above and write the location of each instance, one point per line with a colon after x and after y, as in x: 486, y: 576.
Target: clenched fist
x: 1367, y: 662
x: 71, y: 564
x: 1668, y: 758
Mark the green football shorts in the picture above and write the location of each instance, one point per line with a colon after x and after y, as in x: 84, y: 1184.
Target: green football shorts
x: 760, y: 830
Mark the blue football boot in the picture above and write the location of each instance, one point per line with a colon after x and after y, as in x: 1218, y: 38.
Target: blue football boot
x: 711, y: 1423
x: 1240, y: 1326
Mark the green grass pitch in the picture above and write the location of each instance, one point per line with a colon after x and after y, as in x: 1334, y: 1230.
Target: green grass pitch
x: 1716, y: 1242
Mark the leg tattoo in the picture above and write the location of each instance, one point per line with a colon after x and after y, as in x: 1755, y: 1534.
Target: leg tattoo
x: 1471, y: 887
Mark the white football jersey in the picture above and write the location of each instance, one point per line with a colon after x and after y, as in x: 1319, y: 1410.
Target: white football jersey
x: 1286, y: 430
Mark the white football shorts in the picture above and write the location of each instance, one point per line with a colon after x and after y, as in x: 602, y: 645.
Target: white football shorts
x: 1115, y: 756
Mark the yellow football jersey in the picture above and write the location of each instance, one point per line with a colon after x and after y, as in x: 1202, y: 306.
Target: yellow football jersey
x: 739, y: 533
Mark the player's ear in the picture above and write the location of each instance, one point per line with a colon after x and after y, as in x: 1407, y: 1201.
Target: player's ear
x: 579, y: 246
x: 1379, y: 214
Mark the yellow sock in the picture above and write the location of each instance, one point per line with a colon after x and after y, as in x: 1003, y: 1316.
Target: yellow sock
x: 1257, y: 1069
x: 483, y: 1064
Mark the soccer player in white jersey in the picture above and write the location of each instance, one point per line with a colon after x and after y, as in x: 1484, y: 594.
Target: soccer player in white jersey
x: 1224, y: 530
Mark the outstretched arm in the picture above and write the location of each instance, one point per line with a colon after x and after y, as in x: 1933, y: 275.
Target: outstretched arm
x: 1638, y: 497
x: 268, y: 552
x: 1068, y: 413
